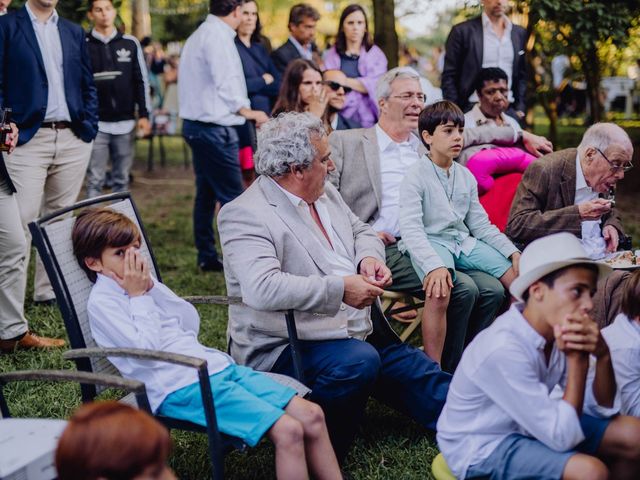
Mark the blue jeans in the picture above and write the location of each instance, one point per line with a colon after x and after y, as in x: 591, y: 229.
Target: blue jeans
x: 343, y: 373
x: 218, y: 178
x: 120, y: 149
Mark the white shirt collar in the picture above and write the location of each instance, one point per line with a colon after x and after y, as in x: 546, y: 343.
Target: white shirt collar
x: 294, y: 199
x: 581, y: 182
x: 299, y: 46
x: 486, y: 23
x: 524, y: 328
x: 384, y: 140
x: 104, y: 38
x: 217, y: 22
x: 110, y: 284
x: 53, y: 18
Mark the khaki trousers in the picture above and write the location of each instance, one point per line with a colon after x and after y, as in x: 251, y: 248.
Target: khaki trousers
x: 48, y: 172
x: 13, y: 247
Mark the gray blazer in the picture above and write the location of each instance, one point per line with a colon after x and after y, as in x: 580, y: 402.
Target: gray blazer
x: 275, y: 262
x: 357, y: 159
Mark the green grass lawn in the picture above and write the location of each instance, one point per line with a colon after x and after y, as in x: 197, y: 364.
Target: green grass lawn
x: 390, y: 446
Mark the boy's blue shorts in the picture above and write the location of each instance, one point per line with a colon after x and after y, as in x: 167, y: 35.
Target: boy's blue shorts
x: 519, y: 456
x: 483, y: 257
x: 247, y: 403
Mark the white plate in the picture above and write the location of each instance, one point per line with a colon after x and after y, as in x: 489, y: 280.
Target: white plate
x: 621, y: 265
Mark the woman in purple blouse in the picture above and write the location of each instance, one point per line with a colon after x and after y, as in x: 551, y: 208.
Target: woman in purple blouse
x: 362, y: 62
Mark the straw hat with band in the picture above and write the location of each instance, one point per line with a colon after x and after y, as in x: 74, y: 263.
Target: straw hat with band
x: 548, y: 254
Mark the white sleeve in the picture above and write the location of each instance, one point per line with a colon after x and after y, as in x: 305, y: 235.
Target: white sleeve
x: 508, y: 377
x: 125, y: 323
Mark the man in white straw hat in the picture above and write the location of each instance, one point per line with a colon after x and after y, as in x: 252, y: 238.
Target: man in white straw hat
x: 500, y: 420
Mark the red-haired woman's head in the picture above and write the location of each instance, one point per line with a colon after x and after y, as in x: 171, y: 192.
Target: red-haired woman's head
x: 114, y: 441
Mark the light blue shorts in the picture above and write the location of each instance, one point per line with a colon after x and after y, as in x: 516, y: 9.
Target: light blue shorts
x: 247, y: 403
x: 483, y: 257
x: 519, y: 457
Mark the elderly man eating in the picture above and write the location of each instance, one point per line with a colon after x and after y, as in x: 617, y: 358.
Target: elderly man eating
x: 290, y: 242
x: 567, y: 191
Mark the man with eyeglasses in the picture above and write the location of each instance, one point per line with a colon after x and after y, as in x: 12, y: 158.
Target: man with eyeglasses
x: 371, y: 162
x: 335, y: 83
x: 568, y: 191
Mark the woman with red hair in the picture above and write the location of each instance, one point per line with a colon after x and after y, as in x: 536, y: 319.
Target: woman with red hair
x: 111, y: 440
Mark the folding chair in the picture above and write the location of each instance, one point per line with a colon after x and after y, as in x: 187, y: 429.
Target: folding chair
x: 52, y: 237
x: 42, y: 435
x: 389, y: 309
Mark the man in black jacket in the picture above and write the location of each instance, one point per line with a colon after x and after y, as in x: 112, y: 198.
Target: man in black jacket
x: 121, y: 78
x: 302, y: 25
x: 490, y: 40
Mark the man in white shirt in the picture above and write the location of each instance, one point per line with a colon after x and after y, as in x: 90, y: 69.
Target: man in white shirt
x: 566, y: 192
x: 500, y: 420
x: 213, y: 100
x: 290, y: 242
x: 490, y: 40
x: 371, y: 163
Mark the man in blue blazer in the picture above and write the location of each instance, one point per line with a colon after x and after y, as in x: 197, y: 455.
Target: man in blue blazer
x: 46, y: 79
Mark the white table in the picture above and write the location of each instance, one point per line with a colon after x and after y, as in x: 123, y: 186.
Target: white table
x: 27, y: 448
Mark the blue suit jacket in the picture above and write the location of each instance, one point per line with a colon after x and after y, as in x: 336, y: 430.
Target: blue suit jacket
x: 23, y: 79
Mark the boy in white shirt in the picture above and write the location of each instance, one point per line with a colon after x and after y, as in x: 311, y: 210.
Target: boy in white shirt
x: 623, y: 338
x: 500, y: 421
x: 128, y: 308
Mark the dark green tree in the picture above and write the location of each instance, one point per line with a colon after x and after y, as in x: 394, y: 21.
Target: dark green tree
x: 579, y: 28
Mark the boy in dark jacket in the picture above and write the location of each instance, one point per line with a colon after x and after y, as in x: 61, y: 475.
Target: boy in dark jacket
x: 123, y: 88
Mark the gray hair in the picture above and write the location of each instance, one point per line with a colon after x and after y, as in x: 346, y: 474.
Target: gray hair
x: 601, y: 135
x: 285, y: 140
x: 383, y: 88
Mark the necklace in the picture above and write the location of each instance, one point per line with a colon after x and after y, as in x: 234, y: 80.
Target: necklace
x: 453, y: 182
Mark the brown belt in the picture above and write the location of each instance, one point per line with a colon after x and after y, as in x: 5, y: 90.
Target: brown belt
x: 56, y: 125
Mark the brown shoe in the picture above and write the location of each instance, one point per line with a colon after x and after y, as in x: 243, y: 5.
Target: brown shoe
x: 30, y: 340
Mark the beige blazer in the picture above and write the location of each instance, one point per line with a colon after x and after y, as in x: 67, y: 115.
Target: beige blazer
x: 275, y: 263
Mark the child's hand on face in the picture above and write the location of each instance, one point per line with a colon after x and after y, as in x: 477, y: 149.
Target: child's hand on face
x: 136, y: 279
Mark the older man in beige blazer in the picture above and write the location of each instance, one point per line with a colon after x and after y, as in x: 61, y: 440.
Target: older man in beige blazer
x: 290, y: 242
x: 563, y: 192
x: 370, y: 164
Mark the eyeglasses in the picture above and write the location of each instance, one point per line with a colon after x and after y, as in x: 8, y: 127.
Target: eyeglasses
x: 406, y: 97
x: 335, y: 86
x: 616, y: 167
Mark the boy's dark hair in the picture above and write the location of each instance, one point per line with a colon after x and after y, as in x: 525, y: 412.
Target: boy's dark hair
x: 491, y: 74
x: 97, y: 229
x: 301, y: 11
x: 439, y: 113
x: 631, y: 297
x: 222, y: 8
x: 550, y: 278
x: 91, y: 2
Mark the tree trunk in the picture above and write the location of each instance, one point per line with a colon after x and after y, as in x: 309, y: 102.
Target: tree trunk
x: 591, y: 70
x: 386, y: 36
x: 140, y: 19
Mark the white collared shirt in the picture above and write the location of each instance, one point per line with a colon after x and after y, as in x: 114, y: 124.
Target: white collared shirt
x: 474, y: 118
x: 395, y: 160
x: 623, y: 339
x: 497, y: 52
x: 358, y: 321
x: 502, y: 386
x: 51, y: 50
x: 592, y: 239
x: 157, y: 320
x: 211, y: 83
x: 305, y: 52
